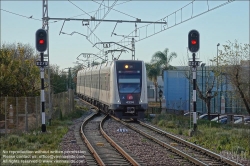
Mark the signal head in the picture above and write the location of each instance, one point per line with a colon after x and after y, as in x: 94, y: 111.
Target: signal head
x: 41, y: 40
x: 193, y: 41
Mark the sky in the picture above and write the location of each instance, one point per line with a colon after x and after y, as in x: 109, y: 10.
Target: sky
x: 226, y: 23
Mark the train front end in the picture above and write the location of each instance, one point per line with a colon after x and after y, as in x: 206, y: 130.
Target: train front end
x: 132, y: 89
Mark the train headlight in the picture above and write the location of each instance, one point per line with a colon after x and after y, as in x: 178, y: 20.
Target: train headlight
x: 126, y: 66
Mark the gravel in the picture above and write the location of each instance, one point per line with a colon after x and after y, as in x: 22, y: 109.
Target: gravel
x: 240, y: 158
x: 69, y: 143
x: 147, y: 151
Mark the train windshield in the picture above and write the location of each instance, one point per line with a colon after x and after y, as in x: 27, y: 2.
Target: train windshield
x: 129, y: 83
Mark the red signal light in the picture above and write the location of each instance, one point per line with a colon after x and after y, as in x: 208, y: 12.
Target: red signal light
x: 41, y: 41
x: 193, y: 41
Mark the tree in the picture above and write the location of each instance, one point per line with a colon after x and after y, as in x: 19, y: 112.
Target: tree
x: 57, y: 79
x: 163, y: 59
x: 234, y: 62
x: 207, y: 96
x: 210, y: 78
x: 153, y: 70
x: 19, y: 74
x: 160, y: 61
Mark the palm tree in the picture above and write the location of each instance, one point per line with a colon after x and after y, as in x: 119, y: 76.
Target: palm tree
x: 163, y: 60
x: 153, y: 70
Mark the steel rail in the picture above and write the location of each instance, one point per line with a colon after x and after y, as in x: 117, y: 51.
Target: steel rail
x: 173, y: 149
x: 116, y: 146
x: 195, y: 161
x: 91, y: 149
x: 182, y: 141
x: 184, y: 155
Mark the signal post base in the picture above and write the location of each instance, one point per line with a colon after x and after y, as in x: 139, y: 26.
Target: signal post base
x: 43, y: 128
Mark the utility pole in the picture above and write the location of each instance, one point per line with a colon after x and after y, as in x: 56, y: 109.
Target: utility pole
x: 45, y: 26
x: 132, y: 41
x: 133, y: 48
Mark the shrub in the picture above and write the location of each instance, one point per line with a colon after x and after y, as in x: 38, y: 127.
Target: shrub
x: 171, y: 124
x: 32, y: 138
x: 161, y: 123
x: 13, y: 140
x: 180, y: 131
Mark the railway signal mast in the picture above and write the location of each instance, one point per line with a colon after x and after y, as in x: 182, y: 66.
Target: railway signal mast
x: 41, y: 46
x: 194, y: 46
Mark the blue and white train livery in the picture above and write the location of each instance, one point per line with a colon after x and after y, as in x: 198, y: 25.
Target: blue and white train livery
x: 118, y: 87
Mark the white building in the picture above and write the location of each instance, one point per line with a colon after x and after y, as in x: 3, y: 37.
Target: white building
x: 151, y: 89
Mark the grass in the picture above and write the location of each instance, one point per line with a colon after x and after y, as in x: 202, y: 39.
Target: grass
x: 211, y: 135
x: 35, y: 140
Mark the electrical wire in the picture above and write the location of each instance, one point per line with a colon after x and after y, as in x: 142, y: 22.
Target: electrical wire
x: 21, y: 15
x: 79, y: 8
x: 60, y: 20
x: 210, y: 9
x: 94, y: 11
x: 98, y: 8
x: 117, y: 10
x: 110, y: 8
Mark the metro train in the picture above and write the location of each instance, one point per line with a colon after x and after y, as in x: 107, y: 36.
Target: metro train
x: 118, y: 87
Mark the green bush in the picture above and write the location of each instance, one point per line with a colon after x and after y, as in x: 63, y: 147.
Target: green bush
x: 212, y: 135
x: 161, y: 123
x: 36, y: 140
x: 180, y: 131
x: 171, y: 124
x: 32, y: 138
x: 13, y: 140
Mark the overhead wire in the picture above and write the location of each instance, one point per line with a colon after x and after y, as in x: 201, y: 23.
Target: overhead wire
x: 79, y: 8
x: 110, y: 8
x: 209, y: 9
x: 94, y: 11
x: 102, y: 9
x: 99, y: 8
x: 21, y: 15
x: 117, y: 10
x: 69, y: 17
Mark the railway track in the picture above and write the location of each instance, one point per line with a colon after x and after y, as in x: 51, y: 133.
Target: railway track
x: 194, y: 153
x: 104, y: 149
x: 183, y: 150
